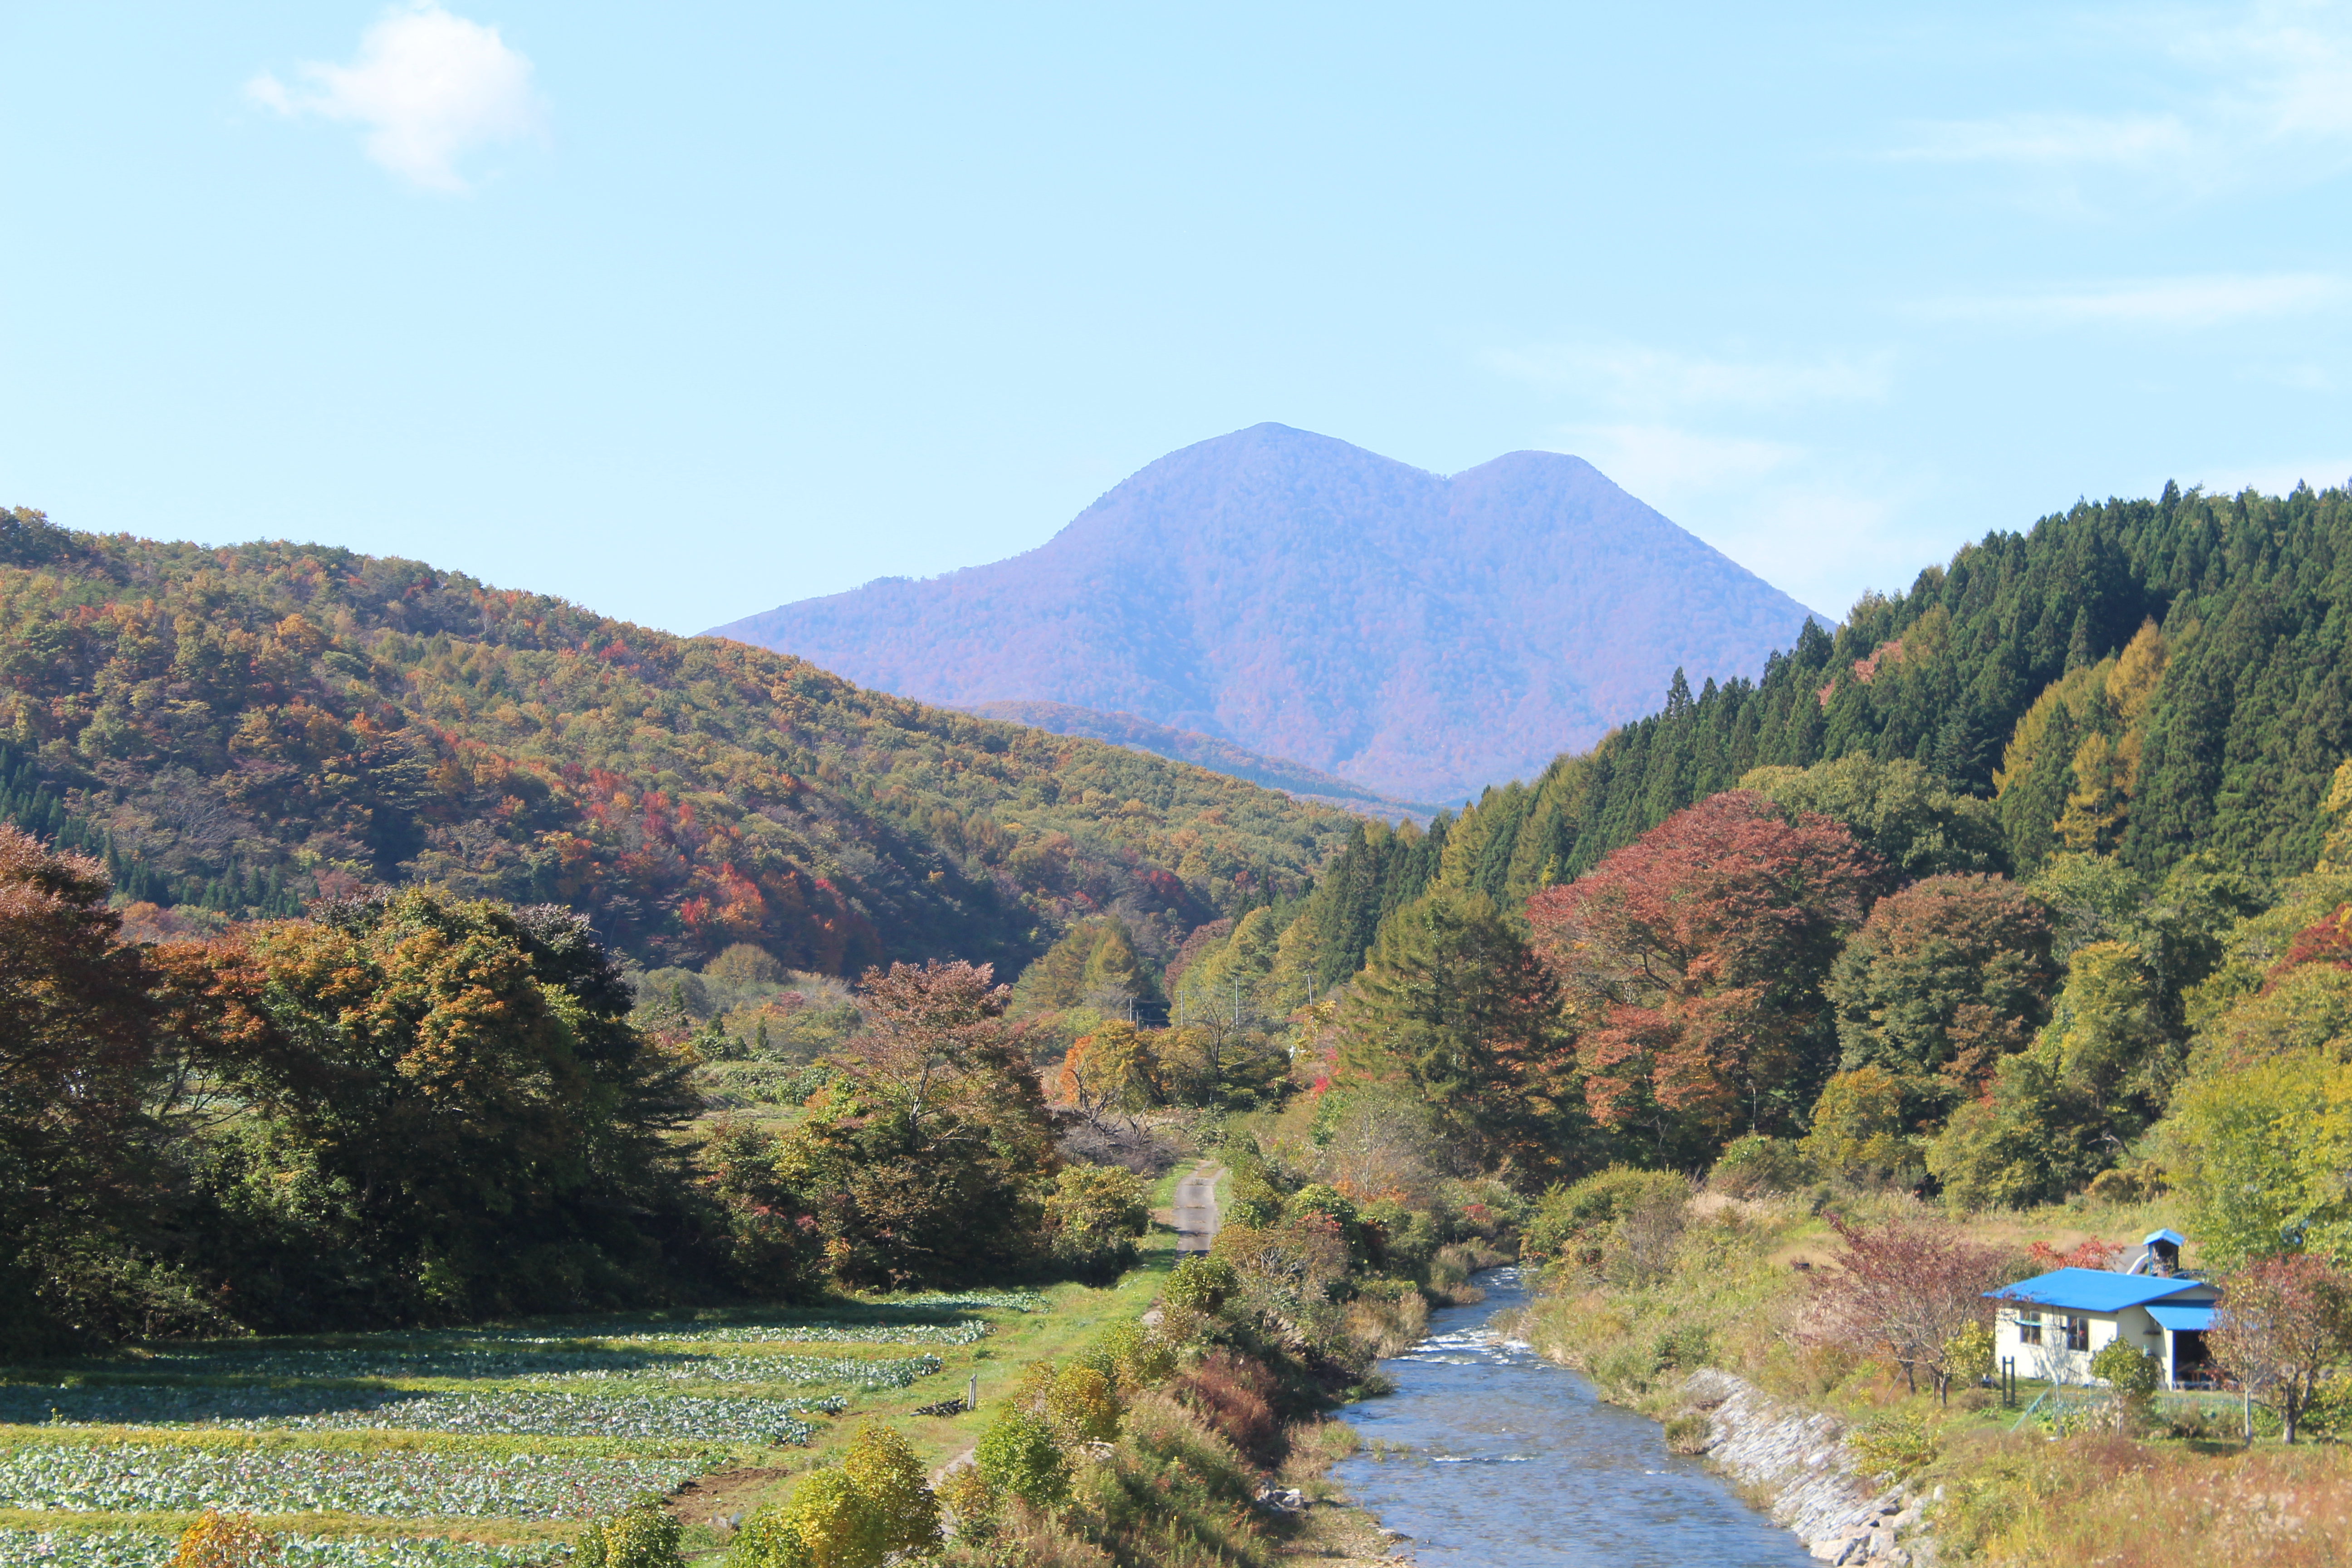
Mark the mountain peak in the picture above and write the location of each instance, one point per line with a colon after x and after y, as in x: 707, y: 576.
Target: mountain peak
x: 1419, y: 634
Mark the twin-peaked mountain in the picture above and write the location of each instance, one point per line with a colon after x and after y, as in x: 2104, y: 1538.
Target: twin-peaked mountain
x: 1295, y: 596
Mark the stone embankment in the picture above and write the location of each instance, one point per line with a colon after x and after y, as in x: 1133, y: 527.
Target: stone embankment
x: 1795, y: 1462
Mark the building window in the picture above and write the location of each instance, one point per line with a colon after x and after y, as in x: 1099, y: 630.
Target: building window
x: 2078, y: 1333
x: 2029, y: 1328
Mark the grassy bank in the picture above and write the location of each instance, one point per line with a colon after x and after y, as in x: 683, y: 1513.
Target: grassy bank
x: 1649, y: 1294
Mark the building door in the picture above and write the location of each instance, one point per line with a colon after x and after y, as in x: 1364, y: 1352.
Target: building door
x: 2191, y: 1365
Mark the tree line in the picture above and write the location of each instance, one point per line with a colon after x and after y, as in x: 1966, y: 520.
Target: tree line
x: 415, y: 1108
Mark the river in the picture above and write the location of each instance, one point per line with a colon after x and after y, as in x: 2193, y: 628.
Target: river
x: 1494, y: 1456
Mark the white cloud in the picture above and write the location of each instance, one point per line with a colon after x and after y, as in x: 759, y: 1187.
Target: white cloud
x: 2048, y: 139
x: 1651, y: 379
x: 2259, y: 95
x: 430, y: 87
x: 2162, y: 302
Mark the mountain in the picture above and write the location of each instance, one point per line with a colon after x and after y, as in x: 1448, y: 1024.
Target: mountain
x: 1421, y: 635
x: 1293, y: 779
x: 237, y: 730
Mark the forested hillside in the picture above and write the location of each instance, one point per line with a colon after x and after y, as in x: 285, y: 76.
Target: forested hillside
x: 1997, y: 893
x: 2019, y: 672
x: 235, y: 730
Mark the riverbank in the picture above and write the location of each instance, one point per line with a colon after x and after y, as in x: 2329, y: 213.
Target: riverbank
x: 1693, y: 1315
x: 1793, y: 1463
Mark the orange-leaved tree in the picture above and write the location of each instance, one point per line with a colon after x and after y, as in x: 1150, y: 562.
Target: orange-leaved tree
x: 1693, y: 961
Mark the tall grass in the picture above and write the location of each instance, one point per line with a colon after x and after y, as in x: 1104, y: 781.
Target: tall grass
x: 2110, y: 1502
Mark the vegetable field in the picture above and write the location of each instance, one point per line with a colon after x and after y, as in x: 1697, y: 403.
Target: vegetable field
x: 464, y: 1449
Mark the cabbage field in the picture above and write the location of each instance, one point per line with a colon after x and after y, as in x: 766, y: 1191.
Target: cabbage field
x: 464, y: 1448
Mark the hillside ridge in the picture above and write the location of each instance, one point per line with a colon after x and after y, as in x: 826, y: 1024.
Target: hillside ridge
x: 239, y: 729
x: 1293, y: 779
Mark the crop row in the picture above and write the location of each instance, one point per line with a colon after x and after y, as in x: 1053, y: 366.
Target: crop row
x: 896, y: 1372
x: 544, y: 1366
x: 533, y: 1413
x: 126, y: 1477
x: 128, y: 1549
x: 962, y: 1333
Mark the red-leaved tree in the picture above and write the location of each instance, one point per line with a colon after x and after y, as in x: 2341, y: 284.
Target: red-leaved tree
x: 1905, y: 1288
x: 2282, y: 1323
x: 1693, y: 960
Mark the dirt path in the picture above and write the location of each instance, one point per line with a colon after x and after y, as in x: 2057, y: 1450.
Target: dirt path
x: 1196, y: 1208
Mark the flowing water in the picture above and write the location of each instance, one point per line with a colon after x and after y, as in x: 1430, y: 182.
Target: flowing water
x: 1488, y: 1454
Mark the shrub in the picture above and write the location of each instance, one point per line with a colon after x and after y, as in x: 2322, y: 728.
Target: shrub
x: 1403, y: 1240
x: 769, y: 1540
x: 831, y: 1512
x: 1229, y: 1392
x: 1896, y: 1445
x: 971, y: 1504
x: 1095, y: 1214
x: 226, y: 1541
x: 1626, y: 1368
x: 1687, y: 1432
x: 1683, y: 1346
x: 2329, y: 1413
x: 1132, y: 1356
x: 1969, y: 1353
x: 2129, y: 1374
x: 2128, y: 1183
x: 1017, y: 1456
x: 1642, y: 1246
x: 890, y: 1478
x: 1572, y: 1223
x: 1857, y: 1134
x: 1200, y: 1283
x: 1754, y: 1164
x: 1082, y: 1405
x: 642, y: 1535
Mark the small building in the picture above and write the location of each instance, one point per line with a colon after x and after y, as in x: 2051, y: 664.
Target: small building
x: 2053, y: 1324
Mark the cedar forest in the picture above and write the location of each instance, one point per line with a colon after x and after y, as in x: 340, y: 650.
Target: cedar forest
x: 383, y: 948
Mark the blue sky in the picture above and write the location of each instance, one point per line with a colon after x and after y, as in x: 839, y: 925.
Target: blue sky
x: 684, y: 311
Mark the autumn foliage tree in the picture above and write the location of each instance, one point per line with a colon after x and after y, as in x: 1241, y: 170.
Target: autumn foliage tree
x: 926, y: 1160
x: 444, y: 1109
x: 1112, y: 1070
x: 1693, y: 961
x: 77, y: 1059
x: 2282, y: 1323
x: 1905, y: 1288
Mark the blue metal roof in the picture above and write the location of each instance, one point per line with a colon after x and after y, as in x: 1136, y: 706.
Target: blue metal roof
x: 2095, y: 1290
x: 2180, y: 1316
